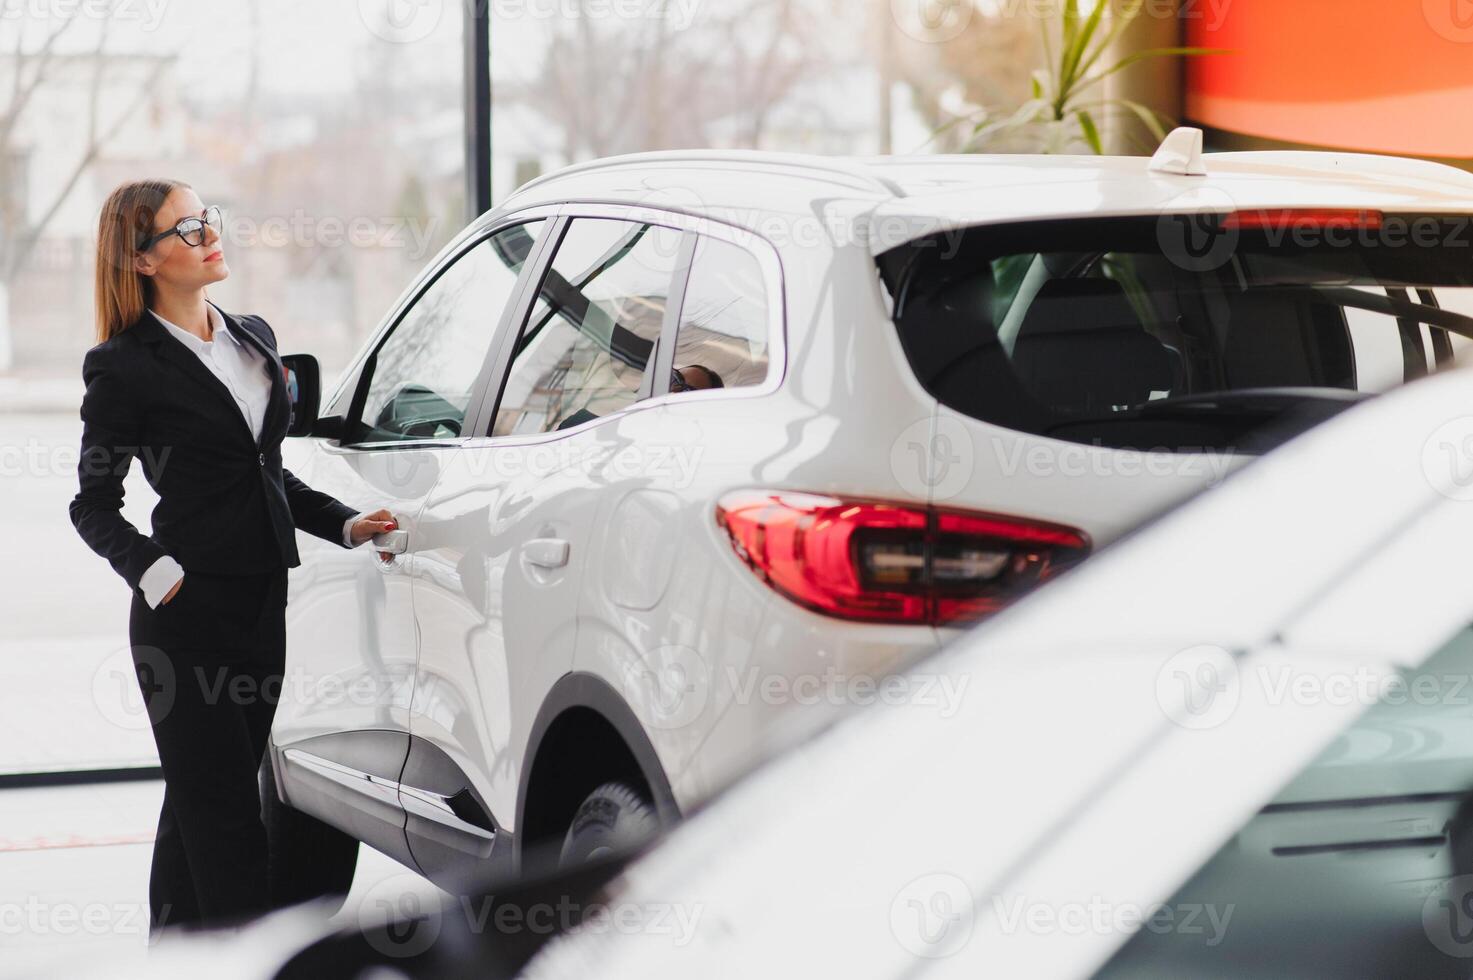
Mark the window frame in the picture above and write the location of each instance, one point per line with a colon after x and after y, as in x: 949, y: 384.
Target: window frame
x: 354, y: 382
x: 656, y: 392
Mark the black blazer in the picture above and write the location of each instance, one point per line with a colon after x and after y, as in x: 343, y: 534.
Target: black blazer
x: 226, y: 504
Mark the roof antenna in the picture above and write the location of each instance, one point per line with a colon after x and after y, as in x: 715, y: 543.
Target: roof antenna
x: 1180, y: 154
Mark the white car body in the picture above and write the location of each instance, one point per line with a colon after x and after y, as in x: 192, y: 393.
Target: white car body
x: 553, y: 613
x: 1031, y: 832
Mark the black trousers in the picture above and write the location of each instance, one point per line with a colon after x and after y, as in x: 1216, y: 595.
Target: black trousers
x: 209, y: 664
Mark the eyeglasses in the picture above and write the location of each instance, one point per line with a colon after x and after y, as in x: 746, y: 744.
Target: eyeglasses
x: 678, y: 382
x: 191, y: 229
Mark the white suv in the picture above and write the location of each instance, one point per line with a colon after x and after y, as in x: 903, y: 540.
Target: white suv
x: 682, y: 442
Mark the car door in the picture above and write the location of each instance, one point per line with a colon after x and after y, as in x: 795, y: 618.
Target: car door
x: 343, y: 721
x: 505, y: 531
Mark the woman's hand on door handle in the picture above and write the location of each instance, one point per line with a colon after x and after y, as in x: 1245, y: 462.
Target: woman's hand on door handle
x: 375, y: 523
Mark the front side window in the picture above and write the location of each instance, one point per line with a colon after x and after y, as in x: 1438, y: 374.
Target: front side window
x: 724, y: 332
x: 1112, y: 332
x: 423, y: 376
x: 591, y: 334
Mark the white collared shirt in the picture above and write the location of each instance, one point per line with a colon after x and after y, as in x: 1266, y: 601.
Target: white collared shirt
x: 243, y: 371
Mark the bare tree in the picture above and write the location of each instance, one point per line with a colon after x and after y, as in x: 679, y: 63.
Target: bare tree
x: 620, y: 85
x: 32, y: 70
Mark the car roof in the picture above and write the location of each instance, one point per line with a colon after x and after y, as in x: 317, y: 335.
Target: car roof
x: 889, y: 200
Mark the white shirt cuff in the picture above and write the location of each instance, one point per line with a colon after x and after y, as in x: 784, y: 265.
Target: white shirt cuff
x: 348, y: 527
x: 160, y: 577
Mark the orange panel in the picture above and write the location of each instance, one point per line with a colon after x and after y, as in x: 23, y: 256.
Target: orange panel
x: 1382, y: 75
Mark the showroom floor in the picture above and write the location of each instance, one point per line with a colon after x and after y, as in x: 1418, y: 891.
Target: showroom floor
x: 74, y: 875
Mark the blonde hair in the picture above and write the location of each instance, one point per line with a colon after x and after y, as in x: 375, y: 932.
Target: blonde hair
x: 123, y: 293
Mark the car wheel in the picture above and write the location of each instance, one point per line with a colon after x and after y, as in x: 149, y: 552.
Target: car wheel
x: 307, y: 859
x: 612, y: 819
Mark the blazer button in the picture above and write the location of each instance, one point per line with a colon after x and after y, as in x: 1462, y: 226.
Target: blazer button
x: 261, y: 458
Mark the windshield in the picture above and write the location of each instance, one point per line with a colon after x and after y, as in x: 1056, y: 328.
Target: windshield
x: 1183, y: 333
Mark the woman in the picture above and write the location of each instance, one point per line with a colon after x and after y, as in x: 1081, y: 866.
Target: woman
x: 199, y: 397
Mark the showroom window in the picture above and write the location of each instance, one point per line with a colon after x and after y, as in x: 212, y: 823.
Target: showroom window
x: 589, y: 338
x: 724, y: 331
x: 424, y: 374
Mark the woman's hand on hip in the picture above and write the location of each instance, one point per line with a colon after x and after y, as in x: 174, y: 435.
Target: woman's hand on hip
x: 369, y: 525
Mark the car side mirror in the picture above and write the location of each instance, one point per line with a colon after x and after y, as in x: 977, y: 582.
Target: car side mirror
x: 304, y: 391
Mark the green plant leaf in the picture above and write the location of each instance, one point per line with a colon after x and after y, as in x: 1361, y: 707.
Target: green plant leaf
x: 1091, y: 132
x: 1042, y: 85
x: 1145, y: 114
x: 1048, y: 43
x: 1059, y: 89
x: 1070, y: 70
x: 957, y: 121
x: 1118, y: 23
x: 1070, y: 26
x: 1028, y: 114
x: 1147, y: 55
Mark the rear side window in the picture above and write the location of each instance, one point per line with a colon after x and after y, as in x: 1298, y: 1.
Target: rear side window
x: 1104, y: 332
x: 589, y: 338
x: 724, y: 331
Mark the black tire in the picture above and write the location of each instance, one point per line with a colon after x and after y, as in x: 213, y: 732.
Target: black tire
x: 612, y: 819
x: 307, y: 859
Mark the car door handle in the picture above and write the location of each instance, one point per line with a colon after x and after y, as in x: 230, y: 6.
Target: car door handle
x: 546, y: 552
x: 395, y: 542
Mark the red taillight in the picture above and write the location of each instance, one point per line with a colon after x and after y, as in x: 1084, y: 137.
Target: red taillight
x: 1289, y: 219
x: 893, y: 563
